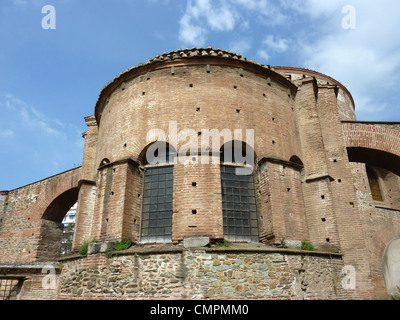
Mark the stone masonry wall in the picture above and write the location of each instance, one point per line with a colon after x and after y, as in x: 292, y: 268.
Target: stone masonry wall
x: 203, y: 274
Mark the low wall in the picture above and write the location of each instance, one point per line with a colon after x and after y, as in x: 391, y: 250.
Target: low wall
x: 171, y: 272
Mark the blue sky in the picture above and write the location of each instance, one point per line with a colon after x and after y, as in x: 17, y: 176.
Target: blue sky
x: 50, y: 79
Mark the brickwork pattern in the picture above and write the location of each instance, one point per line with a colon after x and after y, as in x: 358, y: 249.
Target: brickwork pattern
x: 309, y: 180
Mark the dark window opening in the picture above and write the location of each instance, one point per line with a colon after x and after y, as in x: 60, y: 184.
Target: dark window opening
x: 9, y: 288
x: 157, y: 204
x: 238, y: 206
x: 374, y: 185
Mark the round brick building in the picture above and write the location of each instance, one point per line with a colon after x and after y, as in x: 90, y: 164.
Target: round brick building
x: 217, y: 169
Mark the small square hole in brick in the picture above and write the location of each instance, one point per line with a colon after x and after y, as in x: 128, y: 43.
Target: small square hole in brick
x: 194, y: 211
x: 194, y: 184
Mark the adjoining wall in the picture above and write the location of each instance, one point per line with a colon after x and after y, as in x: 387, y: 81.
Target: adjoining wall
x: 208, y: 273
x: 30, y: 214
x: 380, y: 222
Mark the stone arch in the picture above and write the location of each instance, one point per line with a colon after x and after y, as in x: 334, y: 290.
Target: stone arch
x: 375, y: 157
x: 104, y: 162
x: 49, y: 247
x: 295, y: 159
x: 59, y: 195
x: 60, y: 205
x: 373, y: 144
x: 157, y: 151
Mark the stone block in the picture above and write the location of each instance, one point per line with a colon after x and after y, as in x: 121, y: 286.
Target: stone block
x: 106, y: 245
x: 93, y: 248
x: 293, y: 244
x: 197, y: 242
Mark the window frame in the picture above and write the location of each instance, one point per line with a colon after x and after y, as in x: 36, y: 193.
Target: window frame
x: 231, y: 219
x: 154, y: 214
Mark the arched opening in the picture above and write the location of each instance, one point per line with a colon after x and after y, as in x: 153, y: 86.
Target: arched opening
x: 159, y: 152
x: 51, y: 235
x: 156, y: 222
x: 296, y: 160
x: 375, y: 157
x: 240, y: 221
x: 391, y: 269
x: 374, y: 184
x: 383, y: 171
x: 68, y: 230
x: 104, y: 162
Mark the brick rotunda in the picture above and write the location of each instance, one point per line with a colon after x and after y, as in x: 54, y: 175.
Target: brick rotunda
x: 227, y: 179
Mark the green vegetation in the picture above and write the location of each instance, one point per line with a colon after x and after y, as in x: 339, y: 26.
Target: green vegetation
x: 123, y: 245
x: 118, y: 246
x: 307, y: 246
x: 83, y: 250
x: 222, y: 243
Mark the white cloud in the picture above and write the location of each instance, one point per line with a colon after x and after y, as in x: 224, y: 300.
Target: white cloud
x: 270, y: 45
x: 191, y: 34
x: 278, y: 45
x: 263, y: 55
x: 217, y: 15
x: 365, y: 59
x: 6, y: 133
x: 240, y: 46
x: 30, y: 117
x: 204, y: 16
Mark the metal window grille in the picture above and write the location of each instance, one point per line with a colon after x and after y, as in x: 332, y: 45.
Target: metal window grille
x: 238, y: 206
x: 9, y: 288
x: 157, y: 204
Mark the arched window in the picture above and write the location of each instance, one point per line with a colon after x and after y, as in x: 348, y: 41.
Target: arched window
x: 156, y: 223
x: 240, y: 221
x: 374, y: 185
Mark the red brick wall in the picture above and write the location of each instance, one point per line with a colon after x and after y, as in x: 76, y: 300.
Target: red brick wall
x: 21, y: 226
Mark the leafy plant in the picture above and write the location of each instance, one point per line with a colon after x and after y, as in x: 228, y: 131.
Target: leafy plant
x: 222, y: 243
x: 83, y: 250
x: 119, y: 245
x: 307, y: 246
x: 123, y: 245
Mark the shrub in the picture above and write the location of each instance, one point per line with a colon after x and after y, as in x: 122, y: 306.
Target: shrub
x: 307, y: 246
x: 222, y: 243
x: 83, y: 250
x: 123, y: 245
